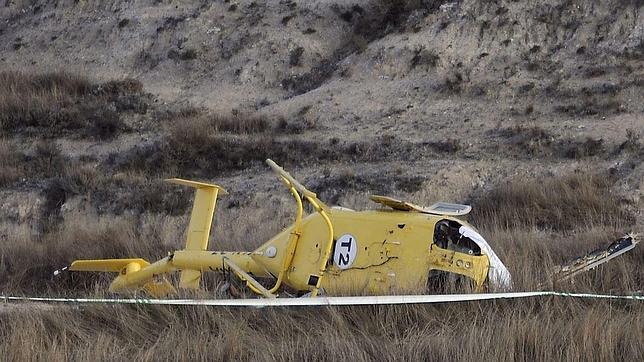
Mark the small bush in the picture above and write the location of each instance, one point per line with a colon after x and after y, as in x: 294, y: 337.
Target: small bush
x: 295, y: 56
x: 592, y: 106
x: 10, y: 163
x: 632, y: 143
x: 123, y: 23
x: 424, y: 57
x: 445, y: 146
x: 452, y: 83
x: 55, y: 194
x: 188, y: 54
x: 105, y: 126
x: 241, y: 123
x: 531, y: 140
x: 589, y: 147
x: 46, y: 160
x: 296, y: 126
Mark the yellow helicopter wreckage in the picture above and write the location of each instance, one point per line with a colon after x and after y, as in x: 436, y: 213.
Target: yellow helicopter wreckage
x: 335, y: 251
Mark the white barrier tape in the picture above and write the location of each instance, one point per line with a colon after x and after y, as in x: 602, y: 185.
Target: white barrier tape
x: 322, y: 301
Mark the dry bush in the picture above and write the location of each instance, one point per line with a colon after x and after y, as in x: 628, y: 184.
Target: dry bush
x: 196, y: 149
x: 29, y: 257
x: 425, y: 58
x: 59, y: 104
x: 535, y: 141
x: 445, y: 146
x: 531, y: 140
x: 46, y: 160
x: 241, y: 123
x: 591, y: 106
x: 10, y: 163
x: 136, y: 194
x: 580, y: 149
x: 632, y: 144
x: 333, y: 187
x: 533, y: 255
x: 554, y: 203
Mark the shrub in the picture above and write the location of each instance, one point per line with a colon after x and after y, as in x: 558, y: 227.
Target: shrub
x: 61, y: 104
x: 589, y: 147
x: 10, y: 163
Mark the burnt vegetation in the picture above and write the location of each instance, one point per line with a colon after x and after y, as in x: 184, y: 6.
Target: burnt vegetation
x: 550, y: 329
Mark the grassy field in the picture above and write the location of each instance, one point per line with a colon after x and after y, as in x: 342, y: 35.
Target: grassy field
x: 543, y: 329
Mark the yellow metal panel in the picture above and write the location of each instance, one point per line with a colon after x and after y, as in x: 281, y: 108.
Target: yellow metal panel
x: 203, y: 210
x: 250, y: 281
x: 214, y: 261
x: 159, y: 288
x: 106, y: 265
x: 439, y: 208
x: 136, y: 277
x: 395, y: 253
x: 190, y: 279
x: 196, y: 184
x: 340, y: 251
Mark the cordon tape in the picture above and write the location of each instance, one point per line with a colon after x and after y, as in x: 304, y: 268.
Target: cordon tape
x: 322, y: 301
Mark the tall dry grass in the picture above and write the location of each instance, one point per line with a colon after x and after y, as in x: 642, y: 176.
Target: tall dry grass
x: 530, y: 329
x: 10, y: 163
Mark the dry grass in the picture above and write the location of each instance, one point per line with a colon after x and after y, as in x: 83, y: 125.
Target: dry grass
x: 209, y: 146
x: 544, y: 329
x: 533, y: 225
x: 535, y: 141
x: 65, y: 104
x: 563, y: 204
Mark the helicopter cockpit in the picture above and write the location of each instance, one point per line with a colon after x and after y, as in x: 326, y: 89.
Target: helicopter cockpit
x: 447, y: 236
x: 452, y: 235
